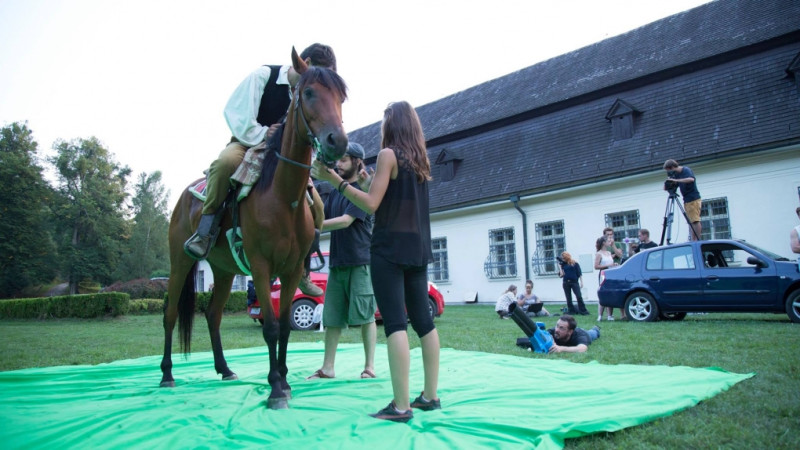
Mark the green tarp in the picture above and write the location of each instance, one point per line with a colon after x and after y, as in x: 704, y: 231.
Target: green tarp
x: 487, y: 399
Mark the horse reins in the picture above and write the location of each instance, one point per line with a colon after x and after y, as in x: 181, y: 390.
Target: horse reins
x: 314, y: 142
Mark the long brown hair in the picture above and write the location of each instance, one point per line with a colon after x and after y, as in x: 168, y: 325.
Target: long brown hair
x: 567, y: 258
x: 401, y: 131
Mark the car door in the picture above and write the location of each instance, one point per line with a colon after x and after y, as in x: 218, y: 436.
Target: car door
x: 674, y: 277
x: 729, y: 281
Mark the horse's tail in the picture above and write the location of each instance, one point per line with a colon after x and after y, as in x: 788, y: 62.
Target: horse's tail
x: 186, y: 304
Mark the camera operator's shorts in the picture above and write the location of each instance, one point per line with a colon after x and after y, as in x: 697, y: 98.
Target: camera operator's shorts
x: 349, y: 299
x: 693, y: 210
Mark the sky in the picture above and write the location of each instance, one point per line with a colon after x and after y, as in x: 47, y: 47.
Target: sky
x: 150, y: 78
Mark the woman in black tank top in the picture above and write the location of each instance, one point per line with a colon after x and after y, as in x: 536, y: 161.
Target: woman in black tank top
x: 400, y: 252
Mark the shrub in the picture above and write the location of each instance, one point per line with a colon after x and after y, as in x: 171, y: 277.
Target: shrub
x: 82, y: 306
x: 140, y: 288
x: 146, y: 306
x: 236, y: 303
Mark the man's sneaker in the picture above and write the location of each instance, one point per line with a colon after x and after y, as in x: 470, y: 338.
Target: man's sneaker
x: 429, y: 405
x: 391, y: 413
x: 309, y: 288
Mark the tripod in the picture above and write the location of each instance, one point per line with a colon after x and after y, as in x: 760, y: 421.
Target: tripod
x: 669, y: 214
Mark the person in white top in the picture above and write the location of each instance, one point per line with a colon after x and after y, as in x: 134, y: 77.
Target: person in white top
x: 794, y: 236
x: 603, y: 259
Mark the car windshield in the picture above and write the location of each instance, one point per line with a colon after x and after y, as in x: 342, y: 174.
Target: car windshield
x: 766, y: 252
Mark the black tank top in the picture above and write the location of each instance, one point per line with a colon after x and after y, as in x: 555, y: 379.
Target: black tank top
x: 402, y: 232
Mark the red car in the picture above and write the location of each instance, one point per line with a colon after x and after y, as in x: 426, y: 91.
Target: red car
x: 303, y: 306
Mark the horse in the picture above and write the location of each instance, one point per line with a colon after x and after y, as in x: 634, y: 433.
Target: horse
x: 276, y: 225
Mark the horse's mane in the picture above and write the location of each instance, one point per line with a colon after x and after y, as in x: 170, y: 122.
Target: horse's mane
x: 321, y: 75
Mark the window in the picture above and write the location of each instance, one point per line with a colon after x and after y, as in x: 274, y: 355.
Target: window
x: 437, y: 270
x: 626, y: 226
x: 549, y: 244
x: 714, y: 218
x: 672, y: 258
x: 622, y: 116
x: 502, y: 259
x: 239, y: 283
x: 201, y: 282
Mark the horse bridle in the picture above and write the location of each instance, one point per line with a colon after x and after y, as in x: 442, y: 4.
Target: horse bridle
x: 316, y: 147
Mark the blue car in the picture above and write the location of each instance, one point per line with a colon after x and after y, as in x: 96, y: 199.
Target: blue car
x: 702, y: 276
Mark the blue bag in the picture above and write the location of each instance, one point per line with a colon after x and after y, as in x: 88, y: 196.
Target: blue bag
x: 541, y: 341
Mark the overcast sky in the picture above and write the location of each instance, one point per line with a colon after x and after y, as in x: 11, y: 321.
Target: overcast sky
x: 150, y: 78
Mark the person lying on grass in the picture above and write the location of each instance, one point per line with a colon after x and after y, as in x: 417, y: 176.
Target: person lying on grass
x: 568, y: 337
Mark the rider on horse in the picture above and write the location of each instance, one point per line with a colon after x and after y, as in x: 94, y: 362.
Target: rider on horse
x: 254, y: 112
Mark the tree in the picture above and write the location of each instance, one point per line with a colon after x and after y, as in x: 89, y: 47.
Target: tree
x: 148, y: 250
x: 26, y: 247
x: 89, y: 213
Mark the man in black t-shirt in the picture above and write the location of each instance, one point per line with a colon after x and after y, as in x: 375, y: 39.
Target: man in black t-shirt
x: 349, y: 299
x: 568, y: 337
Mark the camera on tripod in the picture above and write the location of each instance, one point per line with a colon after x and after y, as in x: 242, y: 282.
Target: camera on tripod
x: 671, y: 186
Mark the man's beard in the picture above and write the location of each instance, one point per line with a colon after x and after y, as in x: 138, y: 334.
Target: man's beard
x: 346, y: 174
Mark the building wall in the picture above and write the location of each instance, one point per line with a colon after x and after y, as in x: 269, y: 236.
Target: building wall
x: 762, y: 191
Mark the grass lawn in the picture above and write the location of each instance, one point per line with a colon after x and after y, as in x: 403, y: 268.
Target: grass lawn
x: 762, y: 412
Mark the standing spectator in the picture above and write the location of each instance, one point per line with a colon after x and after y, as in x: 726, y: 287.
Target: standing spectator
x: 505, y: 300
x: 251, y: 293
x: 349, y: 299
x: 533, y: 306
x: 685, y: 178
x: 570, y: 272
x: 794, y: 237
x: 644, y: 241
x: 400, y: 253
x: 615, y: 248
x: 604, y: 260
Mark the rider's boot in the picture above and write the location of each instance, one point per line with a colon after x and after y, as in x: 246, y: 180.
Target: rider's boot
x: 204, y: 238
x: 306, y: 285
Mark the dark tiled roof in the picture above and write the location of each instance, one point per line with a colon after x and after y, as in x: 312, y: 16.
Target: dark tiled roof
x: 695, y: 76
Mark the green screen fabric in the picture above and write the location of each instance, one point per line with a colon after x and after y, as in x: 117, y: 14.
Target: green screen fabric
x: 487, y: 400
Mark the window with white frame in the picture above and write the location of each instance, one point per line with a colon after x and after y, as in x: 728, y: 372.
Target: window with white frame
x: 200, y: 281
x: 626, y: 227
x: 502, y: 259
x: 549, y: 244
x: 437, y: 270
x: 714, y: 219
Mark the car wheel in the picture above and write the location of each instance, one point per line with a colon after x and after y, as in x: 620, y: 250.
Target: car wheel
x: 793, y: 306
x: 641, y: 307
x: 432, y: 308
x: 302, y: 315
x: 676, y: 316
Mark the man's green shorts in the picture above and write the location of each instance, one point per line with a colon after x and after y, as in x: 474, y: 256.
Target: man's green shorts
x: 349, y: 299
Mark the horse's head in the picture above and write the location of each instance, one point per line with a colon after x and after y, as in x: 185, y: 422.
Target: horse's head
x: 318, y: 99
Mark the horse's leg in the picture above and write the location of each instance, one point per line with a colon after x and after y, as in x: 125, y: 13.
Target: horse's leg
x: 287, y: 295
x: 222, y: 291
x: 278, y: 397
x: 181, y: 279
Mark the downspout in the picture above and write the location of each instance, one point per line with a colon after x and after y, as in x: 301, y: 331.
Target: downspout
x: 515, y: 200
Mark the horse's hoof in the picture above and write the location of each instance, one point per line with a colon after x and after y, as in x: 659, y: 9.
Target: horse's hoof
x: 278, y: 403
x: 230, y: 377
x: 167, y: 384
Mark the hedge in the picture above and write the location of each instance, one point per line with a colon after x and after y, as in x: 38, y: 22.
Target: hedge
x: 82, y: 306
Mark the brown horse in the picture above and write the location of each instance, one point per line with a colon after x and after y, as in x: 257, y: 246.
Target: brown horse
x: 277, y: 230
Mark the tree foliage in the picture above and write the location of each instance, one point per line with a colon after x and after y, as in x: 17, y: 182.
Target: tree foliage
x: 92, y: 228
x: 26, y: 247
x: 147, y: 248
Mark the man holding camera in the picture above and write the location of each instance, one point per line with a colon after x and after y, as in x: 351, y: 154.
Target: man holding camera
x: 684, y: 177
x: 567, y: 337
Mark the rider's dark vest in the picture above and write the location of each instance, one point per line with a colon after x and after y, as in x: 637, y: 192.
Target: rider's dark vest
x: 274, y: 101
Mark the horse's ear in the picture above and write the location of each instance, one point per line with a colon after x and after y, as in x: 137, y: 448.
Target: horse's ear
x: 299, y: 65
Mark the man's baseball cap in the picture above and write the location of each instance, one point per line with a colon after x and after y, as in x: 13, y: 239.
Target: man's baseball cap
x: 355, y: 150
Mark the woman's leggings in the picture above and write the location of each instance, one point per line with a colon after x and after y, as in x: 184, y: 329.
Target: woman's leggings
x: 400, y: 289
